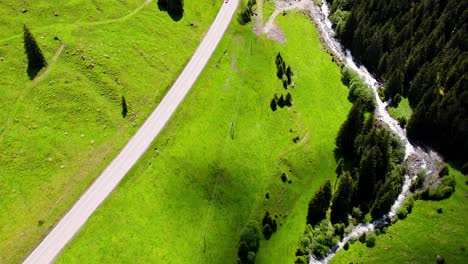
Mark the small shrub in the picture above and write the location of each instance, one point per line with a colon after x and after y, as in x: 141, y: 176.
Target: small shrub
x: 251, y: 236
x: 124, y: 107
x: 269, y: 225
x: 402, y: 121
x: 245, y: 15
x: 443, y: 191
x: 396, y: 100
x: 243, y: 251
x: 280, y: 101
x: 362, y: 238
x: 402, y: 212
x: 267, y: 232
x: 346, y: 246
x: 381, y: 93
x: 440, y: 259
x: 319, y: 250
x: 419, y: 182
x: 439, y: 210
x: 444, y: 171
x: 301, y: 260
x: 288, y: 100
x: 423, y: 195
x: 464, y: 168
x: 273, y: 104
x: 339, y: 230
x: 357, y: 214
x: 346, y: 75
x: 324, y: 238
x: 409, y: 204
x: 284, y: 178
x: 251, y: 257
x: 370, y: 241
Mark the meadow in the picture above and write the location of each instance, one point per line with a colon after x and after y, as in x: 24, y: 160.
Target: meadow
x: 210, y: 171
x: 403, y: 110
x: 59, y: 131
x: 423, y: 235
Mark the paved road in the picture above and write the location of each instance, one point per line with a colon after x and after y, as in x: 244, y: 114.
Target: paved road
x: 71, y: 223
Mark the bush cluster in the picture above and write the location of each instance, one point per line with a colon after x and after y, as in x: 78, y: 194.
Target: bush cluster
x: 249, y: 244
x: 324, y: 238
x: 305, y: 246
x: 269, y: 225
x: 358, y: 90
x: 419, y: 49
x: 444, y: 190
x: 245, y: 15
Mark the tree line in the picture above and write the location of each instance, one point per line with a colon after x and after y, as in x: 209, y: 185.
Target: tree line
x: 420, y: 50
x: 284, y: 73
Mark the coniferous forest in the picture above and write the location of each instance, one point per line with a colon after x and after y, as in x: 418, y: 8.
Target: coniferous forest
x: 420, y: 50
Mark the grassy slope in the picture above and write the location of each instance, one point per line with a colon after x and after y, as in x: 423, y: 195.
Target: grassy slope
x: 51, y: 125
x: 403, y: 110
x: 268, y: 9
x: 422, y: 235
x: 197, y: 182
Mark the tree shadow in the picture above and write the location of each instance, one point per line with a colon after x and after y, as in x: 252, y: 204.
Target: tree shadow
x: 33, y: 71
x: 174, y: 8
x: 124, y: 107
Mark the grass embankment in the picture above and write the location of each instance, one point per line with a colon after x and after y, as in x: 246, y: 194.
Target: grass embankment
x: 192, y: 193
x: 56, y: 136
x: 422, y: 235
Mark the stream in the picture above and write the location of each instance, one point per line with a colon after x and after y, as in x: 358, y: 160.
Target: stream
x: 416, y: 158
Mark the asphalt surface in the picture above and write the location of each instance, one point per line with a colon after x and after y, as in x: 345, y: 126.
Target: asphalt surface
x: 77, y: 216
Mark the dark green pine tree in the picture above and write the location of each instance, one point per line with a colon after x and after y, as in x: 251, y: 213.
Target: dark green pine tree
x: 278, y: 60
x: 289, y: 74
x: 368, y: 173
x: 36, y: 60
x: 350, y: 130
x: 341, y: 203
x: 288, y: 100
x: 124, y: 107
x: 280, y: 101
x: 319, y: 204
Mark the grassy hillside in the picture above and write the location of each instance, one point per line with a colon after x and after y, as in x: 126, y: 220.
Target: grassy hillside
x: 422, y: 235
x: 58, y: 132
x: 208, y: 173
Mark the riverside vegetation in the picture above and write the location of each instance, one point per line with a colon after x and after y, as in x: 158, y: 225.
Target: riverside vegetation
x: 407, y: 37
x: 420, y: 50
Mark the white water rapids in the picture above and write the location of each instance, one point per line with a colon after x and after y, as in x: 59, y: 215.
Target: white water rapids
x: 418, y: 158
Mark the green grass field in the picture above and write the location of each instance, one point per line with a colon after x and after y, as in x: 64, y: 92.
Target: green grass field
x: 422, y: 235
x: 268, y: 9
x: 57, y: 135
x: 403, y: 110
x: 197, y: 186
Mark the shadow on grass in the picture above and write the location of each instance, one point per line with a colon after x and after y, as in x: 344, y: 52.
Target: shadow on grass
x: 33, y: 71
x: 175, y: 8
